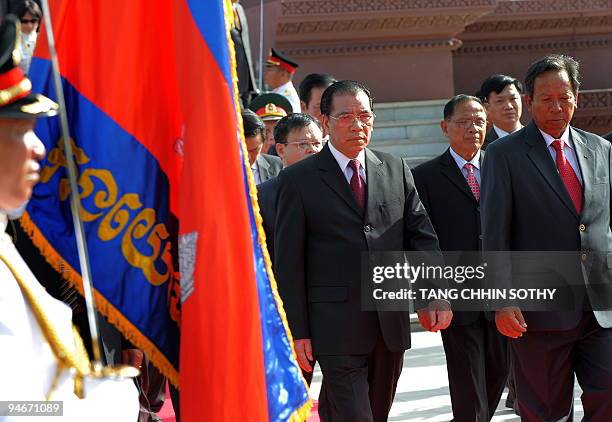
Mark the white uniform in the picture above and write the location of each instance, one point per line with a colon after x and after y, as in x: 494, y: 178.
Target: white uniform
x: 27, y: 363
x: 288, y: 90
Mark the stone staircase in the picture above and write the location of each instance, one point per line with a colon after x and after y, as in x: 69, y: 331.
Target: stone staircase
x: 409, y: 129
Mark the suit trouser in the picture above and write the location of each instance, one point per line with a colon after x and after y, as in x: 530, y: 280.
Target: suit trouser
x: 544, y: 366
x: 359, y: 388
x: 477, y: 364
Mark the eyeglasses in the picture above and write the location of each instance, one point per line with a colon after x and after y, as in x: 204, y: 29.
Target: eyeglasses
x: 27, y: 21
x: 466, y: 124
x: 348, y: 118
x: 306, y: 145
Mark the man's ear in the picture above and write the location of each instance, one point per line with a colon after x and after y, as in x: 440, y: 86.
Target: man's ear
x: 303, y: 106
x: 444, y: 127
x: 528, y: 102
x: 280, y: 150
x: 577, y: 98
x: 325, y: 123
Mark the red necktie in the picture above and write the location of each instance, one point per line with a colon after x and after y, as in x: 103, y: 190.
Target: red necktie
x: 568, y: 175
x: 357, y: 184
x: 471, y: 180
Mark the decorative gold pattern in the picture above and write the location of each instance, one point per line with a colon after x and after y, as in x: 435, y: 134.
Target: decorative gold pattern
x: 8, y: 94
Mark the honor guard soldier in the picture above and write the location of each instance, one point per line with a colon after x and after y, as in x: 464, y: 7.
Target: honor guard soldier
x: 278, y: 76
x: 270, y: 107
x: 42, y: 356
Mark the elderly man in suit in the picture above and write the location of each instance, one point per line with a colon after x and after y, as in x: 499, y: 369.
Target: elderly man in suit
x: 264, y: 166
x: 449, y: 187
x: 547, y: 187
x: 335, y: 205
x: 501, y: 95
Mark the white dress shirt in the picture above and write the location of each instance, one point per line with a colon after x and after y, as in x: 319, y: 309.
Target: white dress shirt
x: 475, y: 161
x: 568, y: 149
x: 288, y: 90
x: 343, y: 162
x: 255, y: 170
x: 501, y: 133
x: 27, y: 363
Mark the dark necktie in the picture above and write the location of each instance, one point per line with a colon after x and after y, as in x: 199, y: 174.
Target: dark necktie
x: 568, y: 175
x: 357, y: 184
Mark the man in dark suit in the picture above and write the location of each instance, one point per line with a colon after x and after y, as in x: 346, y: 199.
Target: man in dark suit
x: 501, y: 96
x: 334, y: 206
x: 448, y: 185
x: 547, y: 187
x: 264, y: 166
x: 298, y: 136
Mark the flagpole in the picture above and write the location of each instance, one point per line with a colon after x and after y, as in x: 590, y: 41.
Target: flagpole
x: 75, y: 204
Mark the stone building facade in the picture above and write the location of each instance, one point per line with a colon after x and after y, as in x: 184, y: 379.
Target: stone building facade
x: 419, y: 50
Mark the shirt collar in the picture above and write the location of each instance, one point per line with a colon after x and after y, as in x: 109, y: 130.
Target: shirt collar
x: 475, y: 161
x: 281, y: 88
x: 564, y: 137
x: 500, y: 132
x: 343, y: 160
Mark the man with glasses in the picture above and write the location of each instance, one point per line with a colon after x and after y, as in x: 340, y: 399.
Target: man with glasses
x: 449, y: 187
x: 297, y: 136
x: 332, y: 207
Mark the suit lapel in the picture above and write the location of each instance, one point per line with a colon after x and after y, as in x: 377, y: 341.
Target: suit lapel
x: 540, y: 156
x: 264, y: 169
x: 376, y: 183
x: 334, y: 178
x: 586, y: 161
x: 449, y: 168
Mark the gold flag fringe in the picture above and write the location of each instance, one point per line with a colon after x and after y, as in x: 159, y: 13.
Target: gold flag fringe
x: 114, y: 316
x: 302, y: 413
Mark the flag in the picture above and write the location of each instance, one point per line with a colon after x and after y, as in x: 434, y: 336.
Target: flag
x: 237, y: 361
x: 118, y: 72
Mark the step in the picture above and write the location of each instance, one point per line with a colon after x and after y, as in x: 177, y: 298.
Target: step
x: 411, y: 110
x: 406, y: 129
x: 415, y: 150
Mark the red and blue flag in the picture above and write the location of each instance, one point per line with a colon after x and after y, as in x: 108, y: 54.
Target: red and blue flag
x: 237, y: 362
x: 151, y: 100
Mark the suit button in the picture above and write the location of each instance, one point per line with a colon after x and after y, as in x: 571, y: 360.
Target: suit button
x: 583, y: 257
x: 368, y: 228
x: 582, y: 227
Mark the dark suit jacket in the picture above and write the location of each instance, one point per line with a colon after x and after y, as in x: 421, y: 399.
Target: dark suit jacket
x: 490, y: 137
x: 454, y: 214
x: 319, y: 238
x: 267, y: 195
x: 526, y: 207
x: 269, y: 166
x: 608, y: 136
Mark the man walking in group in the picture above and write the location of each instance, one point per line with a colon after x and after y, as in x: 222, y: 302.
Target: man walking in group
x: 449, y: 187
x: 332, y: 207
x: 547, y: 187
